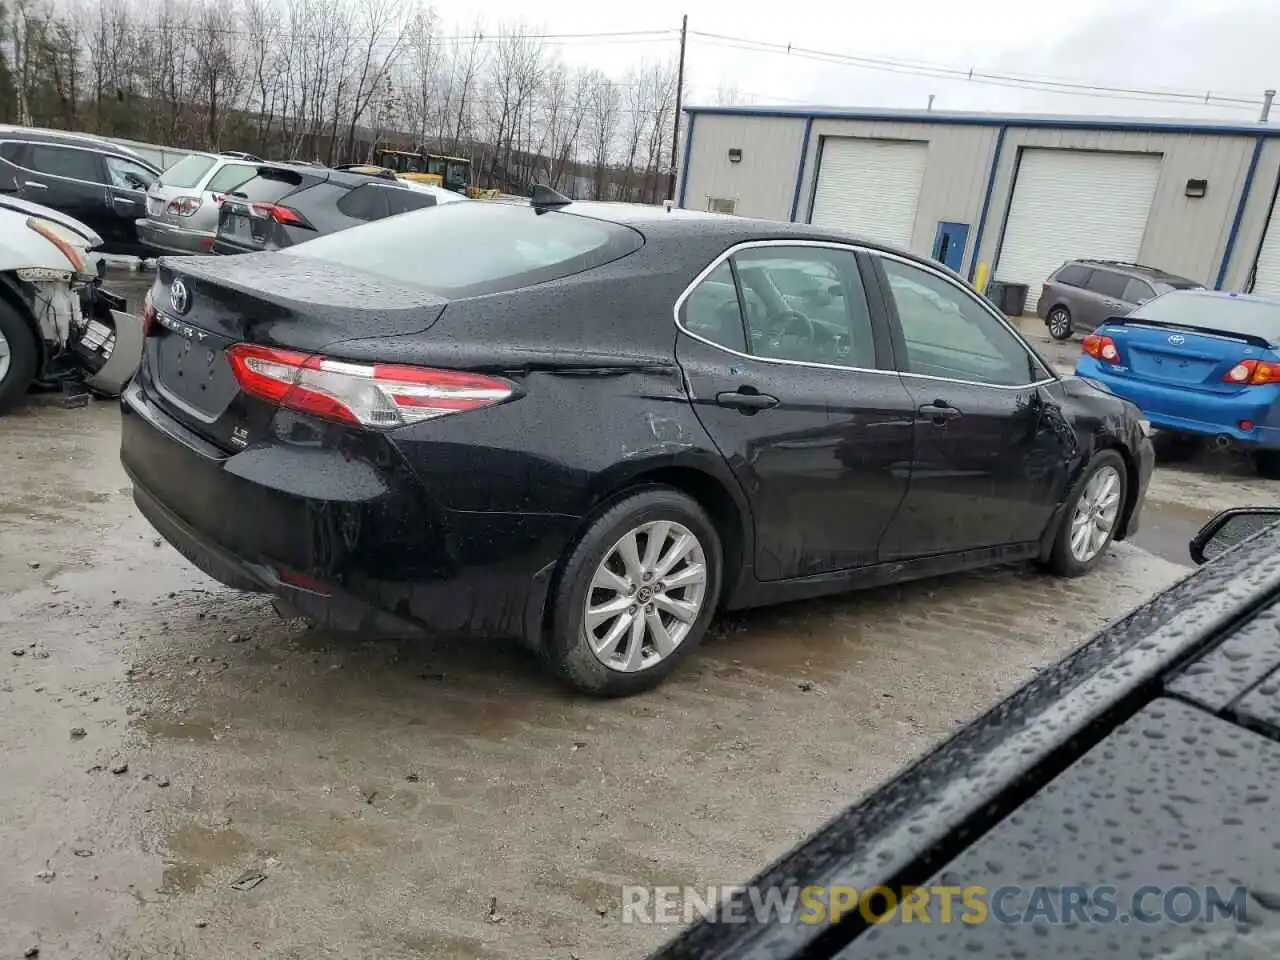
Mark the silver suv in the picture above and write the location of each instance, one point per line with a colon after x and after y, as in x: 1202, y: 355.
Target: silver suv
x: 182, y: 206
x: 1081, y: 294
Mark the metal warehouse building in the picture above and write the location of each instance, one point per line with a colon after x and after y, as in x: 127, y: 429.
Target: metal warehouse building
x: 1020, y: 194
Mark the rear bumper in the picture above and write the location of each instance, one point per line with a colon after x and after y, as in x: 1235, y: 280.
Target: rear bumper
x: 341, y: 532
x: 1177, y: 409
x: 167, y: 238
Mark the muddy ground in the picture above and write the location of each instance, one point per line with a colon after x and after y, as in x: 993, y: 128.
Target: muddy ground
x: 162, y: 737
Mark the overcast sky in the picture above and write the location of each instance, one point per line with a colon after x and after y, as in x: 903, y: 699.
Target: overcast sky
x: 1229, y: 47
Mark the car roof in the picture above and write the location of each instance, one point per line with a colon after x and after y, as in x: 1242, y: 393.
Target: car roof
x: 1133, y: 269
x: 70, y: 138
x: 657, y: 221
x: 1267, y: 298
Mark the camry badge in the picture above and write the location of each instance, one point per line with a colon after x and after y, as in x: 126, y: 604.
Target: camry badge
x: 179, y: 297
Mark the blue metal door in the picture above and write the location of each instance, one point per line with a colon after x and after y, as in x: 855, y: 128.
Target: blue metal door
x: 949, y: 243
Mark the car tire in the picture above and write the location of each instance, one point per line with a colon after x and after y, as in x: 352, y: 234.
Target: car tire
x: 1058, y: 321
x: 18, y: 357
x: 594, y: 570
x: 1176, y: 447
x: 1267, y: 463
x: 1063, y: 559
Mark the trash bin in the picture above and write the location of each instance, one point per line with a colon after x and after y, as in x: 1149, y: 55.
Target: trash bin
x: 995, y: 293
x: 1014, y: 299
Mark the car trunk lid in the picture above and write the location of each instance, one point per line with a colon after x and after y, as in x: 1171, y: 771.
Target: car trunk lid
x: 205, y: 306
x: 1180, y: 355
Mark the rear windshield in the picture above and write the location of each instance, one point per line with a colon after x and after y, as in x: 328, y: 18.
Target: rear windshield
x: 1229, y: 315
x: 268, y: 186
x: 187, y: 172
x: 469, y: 249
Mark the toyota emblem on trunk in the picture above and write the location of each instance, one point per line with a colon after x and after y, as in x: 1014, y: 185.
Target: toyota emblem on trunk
x: 1177, y: 338
x: 179, y: 297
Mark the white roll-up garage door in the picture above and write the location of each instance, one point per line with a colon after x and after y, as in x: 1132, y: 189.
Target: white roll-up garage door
x: 870, y: 187
x: 1267, y: 277
x: 1075, y: 203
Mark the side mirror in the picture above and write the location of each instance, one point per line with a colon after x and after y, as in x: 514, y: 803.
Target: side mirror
x: 1229, y: 528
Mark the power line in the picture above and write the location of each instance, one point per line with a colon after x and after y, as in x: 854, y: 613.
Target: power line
x: 1013, y: 81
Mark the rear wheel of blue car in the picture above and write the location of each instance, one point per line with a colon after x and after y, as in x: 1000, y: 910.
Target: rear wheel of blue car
x: 1059, y: 322
x: 1267, y: 463
x: 18, y: 356
x: 1092, y: 516
x: 634, y: 596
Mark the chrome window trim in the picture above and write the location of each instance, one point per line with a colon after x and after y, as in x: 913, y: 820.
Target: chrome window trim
x: 854, y: 249
x: 71, y: 146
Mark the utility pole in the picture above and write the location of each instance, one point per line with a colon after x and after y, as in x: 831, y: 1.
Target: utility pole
x: 930, y: 106
x: 1267, y: 97
x: 675, y: 129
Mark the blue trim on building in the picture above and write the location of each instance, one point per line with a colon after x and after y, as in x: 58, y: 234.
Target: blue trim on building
x: 986, y: 203
x: 1134, y: 125
x: 1235, y: 224
x: 684, y: 164
x: 804, y: 153
x: 813, y: 189
x: 1008, y: 208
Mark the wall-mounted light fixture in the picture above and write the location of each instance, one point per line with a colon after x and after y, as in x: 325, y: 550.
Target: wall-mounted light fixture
x: 735, y: 155
x: 1197, y: 188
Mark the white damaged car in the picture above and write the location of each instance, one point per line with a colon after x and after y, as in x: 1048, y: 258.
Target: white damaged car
x: 57, y: 324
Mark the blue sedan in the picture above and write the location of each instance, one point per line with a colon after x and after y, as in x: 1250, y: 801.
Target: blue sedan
x: 1199, y: 364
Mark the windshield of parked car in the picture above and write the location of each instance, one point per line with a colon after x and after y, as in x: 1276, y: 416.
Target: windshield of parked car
x: 187, y: 172
x: 1244, y: 316
x: 468, y: 249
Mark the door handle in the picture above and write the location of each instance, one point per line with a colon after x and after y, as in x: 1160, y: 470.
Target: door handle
x: 37, y: 186
x: 939, y: 411
x: 124, y: 201
x: 747, y: 400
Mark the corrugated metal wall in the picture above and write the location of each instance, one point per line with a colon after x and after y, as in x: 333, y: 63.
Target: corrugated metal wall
x: 763, y: 183
x: 955, y: 178
x: 1185, y: 235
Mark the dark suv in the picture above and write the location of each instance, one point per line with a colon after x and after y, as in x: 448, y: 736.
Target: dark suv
x: 286, y: 204
x: 100, y: 183
x: 1081, y: 294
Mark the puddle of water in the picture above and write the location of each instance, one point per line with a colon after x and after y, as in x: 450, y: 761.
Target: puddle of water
x: 196, y: 852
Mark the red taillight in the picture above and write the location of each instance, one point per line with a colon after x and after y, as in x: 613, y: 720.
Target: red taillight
x: 285, y: 215
x: 183, y: 206
x: 1101, y: 348
x: 369, y: 395
x: 1253, y: 373
x: 148, y: 312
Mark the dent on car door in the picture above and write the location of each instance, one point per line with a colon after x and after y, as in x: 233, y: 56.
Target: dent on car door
x: 991, y: 442
x: 785, y: 385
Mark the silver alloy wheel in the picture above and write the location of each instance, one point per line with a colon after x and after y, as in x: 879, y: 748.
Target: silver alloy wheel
x: 5, y: 357
x: 1059, y: 322
x: 645, y: 596
x: 1096, y: 513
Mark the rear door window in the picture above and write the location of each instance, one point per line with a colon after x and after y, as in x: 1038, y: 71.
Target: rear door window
x: 1108, y: 284
x: 1137, y: 291
x: 267, y: 186
x: 367, y: 202
x: 1073, y: 275
x: 68, y: 162
x: 493, y: 246
x: 187, y: 172
x: 230, y: 177
x: 402, y: 201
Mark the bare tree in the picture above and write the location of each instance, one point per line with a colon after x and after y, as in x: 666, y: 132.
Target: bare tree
x: 604, y: 106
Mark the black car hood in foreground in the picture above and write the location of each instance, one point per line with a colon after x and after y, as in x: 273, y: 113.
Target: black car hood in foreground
x: 1150, y: 757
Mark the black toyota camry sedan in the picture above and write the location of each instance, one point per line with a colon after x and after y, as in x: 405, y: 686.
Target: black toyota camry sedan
x: 591, y: 426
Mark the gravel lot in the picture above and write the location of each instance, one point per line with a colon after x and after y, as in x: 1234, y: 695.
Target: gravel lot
x: 162, y: 737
